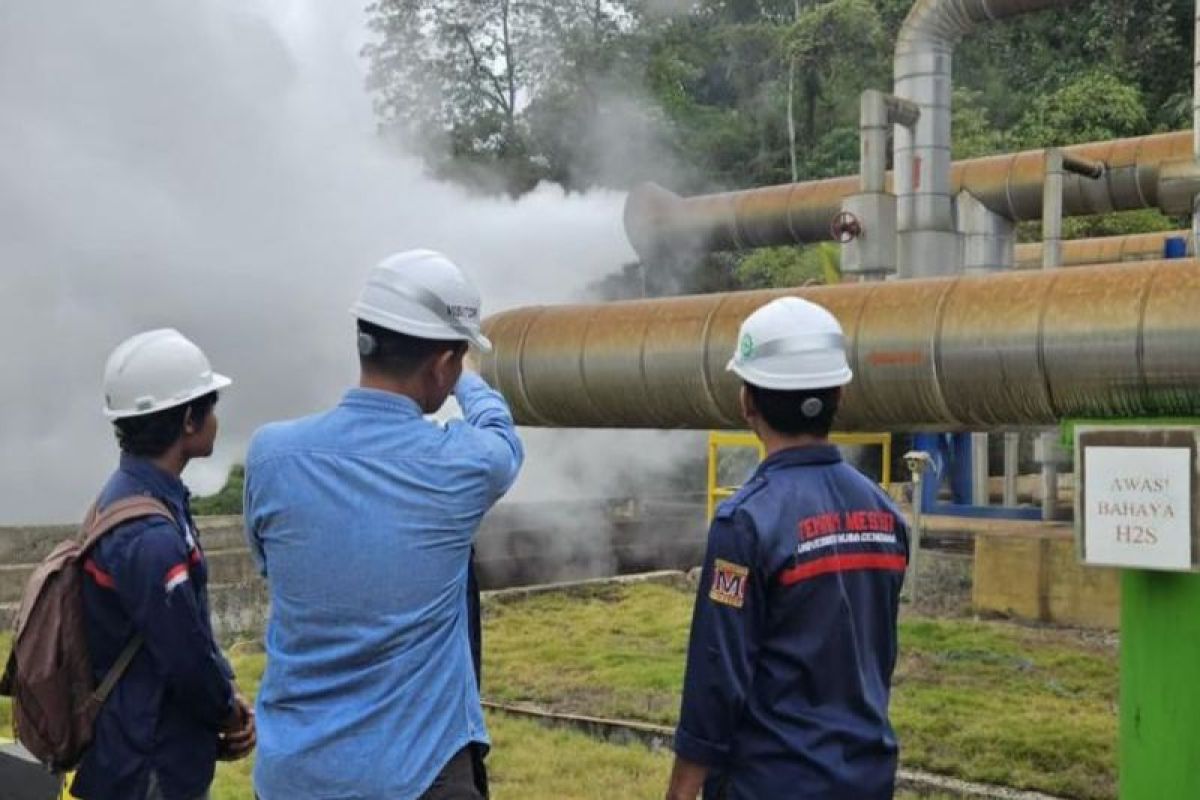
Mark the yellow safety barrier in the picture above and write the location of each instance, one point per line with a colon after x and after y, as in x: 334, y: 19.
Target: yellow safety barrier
x: 719, y: 440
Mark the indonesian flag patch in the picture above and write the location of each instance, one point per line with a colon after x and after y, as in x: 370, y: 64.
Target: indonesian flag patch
x: 729, y: 583
x: 176, y: 576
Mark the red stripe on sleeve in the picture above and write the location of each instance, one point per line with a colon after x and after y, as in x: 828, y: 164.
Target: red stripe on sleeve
x: 101, y: 577
x: 842, y: 563
x: 176, y: 575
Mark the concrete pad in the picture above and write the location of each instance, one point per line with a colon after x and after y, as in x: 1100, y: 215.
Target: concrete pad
x: 23, y: 778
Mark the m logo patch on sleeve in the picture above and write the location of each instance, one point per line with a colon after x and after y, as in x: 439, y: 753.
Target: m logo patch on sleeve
x: 729, y: 583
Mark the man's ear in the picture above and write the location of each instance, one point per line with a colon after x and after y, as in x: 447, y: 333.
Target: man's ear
x: 446, y: 363
x: 189, y: 423
x: 746, y: 402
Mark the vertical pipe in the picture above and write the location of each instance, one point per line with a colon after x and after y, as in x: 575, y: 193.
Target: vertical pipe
x: 1052, y: 210
x: 928, y: 243
x: 873, y: 134
x: 1052, y: 206
x: 980, y: 491
x: 713, y: 455
x: 914, y: 550
x: 1012, y: 464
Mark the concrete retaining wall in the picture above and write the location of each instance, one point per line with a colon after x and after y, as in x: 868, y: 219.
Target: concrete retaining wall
x: 518, y: 544
x: 1035, y: 574
x: 1025, y: 570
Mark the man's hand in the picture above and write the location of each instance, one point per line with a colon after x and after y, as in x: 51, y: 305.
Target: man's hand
x: 687, y: 779
x: 239, y: 734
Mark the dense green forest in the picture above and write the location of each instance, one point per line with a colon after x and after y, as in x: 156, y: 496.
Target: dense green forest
x: 722, y: 94
x: 594, y: 92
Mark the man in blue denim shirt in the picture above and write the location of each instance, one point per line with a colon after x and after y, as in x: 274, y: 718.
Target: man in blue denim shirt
x: 174, y: 710
x: 794, y: 632
x: 362, y: 519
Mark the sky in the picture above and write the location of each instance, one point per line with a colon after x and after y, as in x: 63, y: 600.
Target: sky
x: 213, y: 167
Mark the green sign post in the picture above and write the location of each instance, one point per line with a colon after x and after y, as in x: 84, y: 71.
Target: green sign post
x: 1136, y: 497
x: 1159, y: 754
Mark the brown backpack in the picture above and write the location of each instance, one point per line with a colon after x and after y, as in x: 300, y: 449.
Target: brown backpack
x: 49, y: 672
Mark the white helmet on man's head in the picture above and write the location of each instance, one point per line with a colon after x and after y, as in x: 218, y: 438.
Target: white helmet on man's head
x: 154, y: 371
x: 422, y: 293
x: 791, y: 344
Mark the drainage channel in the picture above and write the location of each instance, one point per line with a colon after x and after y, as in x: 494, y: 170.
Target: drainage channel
x: 658, y: 737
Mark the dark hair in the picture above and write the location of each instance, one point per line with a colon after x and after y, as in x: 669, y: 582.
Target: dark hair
x: 150, y: 436
x: 793, y: 413
x: 398, y: 354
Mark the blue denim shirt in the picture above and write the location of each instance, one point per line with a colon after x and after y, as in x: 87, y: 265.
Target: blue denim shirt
x: 362, y: 519
x: 150, y: 576
x: 794, y: 636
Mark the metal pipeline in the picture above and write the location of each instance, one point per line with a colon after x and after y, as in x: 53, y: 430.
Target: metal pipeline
x: 928, y: 239
x: 960, y: 353
x: 1141, y: 172
x: 1103, y: 250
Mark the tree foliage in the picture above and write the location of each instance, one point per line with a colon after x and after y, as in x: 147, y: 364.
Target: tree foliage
x: 228, y: 500
x: 1093, y: 106
x: 492, y: 92
x: 790, y: 266
x: 701, y: 95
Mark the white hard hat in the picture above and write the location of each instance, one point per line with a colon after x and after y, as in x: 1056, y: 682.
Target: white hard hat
x: 424, y: 294
x: 156, y: 370
x: 791, y: 344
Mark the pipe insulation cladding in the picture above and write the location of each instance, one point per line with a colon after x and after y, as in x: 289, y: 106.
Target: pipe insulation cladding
x: 928, y: 242
x: 957, y: 353
x: 1156, y: 171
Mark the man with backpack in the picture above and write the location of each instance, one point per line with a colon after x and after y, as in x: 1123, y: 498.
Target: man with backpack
x: 174, y: 709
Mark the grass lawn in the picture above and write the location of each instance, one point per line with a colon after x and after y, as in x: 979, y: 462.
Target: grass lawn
x: 978, y: 700
x: 985, y: 701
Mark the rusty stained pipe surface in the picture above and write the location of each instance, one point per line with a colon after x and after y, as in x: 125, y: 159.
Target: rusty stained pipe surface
x: 657, y: 220
x: 959, y: 353
x: 1102, y: 250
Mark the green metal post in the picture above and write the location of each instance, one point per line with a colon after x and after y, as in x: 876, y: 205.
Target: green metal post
x: 1160, y: 685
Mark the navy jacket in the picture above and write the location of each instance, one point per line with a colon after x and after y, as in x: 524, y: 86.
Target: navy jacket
x: 794, y: 636
x: 150, y: 576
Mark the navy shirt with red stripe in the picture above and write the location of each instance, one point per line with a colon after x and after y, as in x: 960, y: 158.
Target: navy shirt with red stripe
x: 793, y: 637
x: 149, y: 576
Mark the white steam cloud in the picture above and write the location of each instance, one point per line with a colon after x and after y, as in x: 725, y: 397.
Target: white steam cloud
x: 213, y: 167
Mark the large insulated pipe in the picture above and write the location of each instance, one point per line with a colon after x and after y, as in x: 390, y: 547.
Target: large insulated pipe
x: 961, y: 353
x: 1156, y: 171
x: 1102, y: 250
x: 928, y: 239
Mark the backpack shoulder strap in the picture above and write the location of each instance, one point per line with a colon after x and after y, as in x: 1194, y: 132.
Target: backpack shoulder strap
x: 100, y: 695
x: 101, y: 521
x: 97, y: 523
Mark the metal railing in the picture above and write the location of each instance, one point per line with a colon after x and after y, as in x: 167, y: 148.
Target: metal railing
x: 720, y: 440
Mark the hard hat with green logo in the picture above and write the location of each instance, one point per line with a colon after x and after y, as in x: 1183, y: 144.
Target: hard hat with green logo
x: 791, y: 344
x: 422, y: 293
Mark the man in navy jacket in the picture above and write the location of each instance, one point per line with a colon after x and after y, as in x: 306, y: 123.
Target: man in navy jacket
x: 175, y: 709
x: 794, y: 632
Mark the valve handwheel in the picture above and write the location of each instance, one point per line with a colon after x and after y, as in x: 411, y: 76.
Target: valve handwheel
x: 845, y: 227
